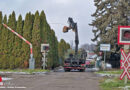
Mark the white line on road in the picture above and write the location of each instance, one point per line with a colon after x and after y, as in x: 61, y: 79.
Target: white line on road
x: 11, y: 87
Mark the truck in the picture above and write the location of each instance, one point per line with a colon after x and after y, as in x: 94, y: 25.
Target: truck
x: 77, y: 60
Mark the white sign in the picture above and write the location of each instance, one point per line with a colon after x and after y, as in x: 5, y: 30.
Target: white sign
x: 104, y: 47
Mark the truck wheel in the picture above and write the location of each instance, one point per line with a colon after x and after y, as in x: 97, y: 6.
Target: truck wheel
x: 82, y: 70
x: 67, y: 70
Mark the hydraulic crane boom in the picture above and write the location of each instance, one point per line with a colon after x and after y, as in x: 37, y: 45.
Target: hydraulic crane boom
x: 77, y: 61
x: 73, y: 26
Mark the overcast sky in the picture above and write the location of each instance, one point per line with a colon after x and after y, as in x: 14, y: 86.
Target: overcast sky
x: 57, y: 13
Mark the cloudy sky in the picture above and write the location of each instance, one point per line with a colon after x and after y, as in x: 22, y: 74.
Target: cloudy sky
x: 57, y: 13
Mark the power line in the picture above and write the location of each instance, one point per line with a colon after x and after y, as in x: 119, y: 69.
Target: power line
x: 58, y: 23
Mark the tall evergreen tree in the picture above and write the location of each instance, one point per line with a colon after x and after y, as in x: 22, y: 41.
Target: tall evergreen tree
x: 36, y: 39
x: 0, y: 22
x: 56, y: 61
x: 19, y: 30
x: 27, y: 34
x: 18, y: 42
x: 62, y: 49
x: 12, y: 24
x: 53, y: 52
x: 109, y: 14
x: 67, y: 46
x: 11, y: 39
x: 48, y: 36
x: 48, y: 39
x: 4, y: 48
x: 15, y: 53
x: 1, y: 17
x: 43, y: 27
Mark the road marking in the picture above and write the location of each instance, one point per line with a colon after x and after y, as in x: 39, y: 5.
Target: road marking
x: 12, y: 87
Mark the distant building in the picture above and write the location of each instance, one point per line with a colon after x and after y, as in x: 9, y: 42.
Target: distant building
x: 91, y: 55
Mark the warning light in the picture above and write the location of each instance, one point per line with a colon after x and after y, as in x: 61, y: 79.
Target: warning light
x: 127, y: 34
x: 124, y: 35
x: 45, y: 47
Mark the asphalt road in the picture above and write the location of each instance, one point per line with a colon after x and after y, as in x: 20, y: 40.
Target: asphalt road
x: 53, y: 81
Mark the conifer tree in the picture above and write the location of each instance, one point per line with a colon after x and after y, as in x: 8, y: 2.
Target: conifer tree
x: 12, y: 24
x: 0, y: 22
x: 4, y: 49
x: 27, y: 34
x: 108, y: 16
x: 55, y: 57
x: 62, y: 49
x: 36, y: 40
x: 18, y: 43
x: 11, y: 39
x: 43, y: 27
x: 48, y: 36
x: 1, y: 17
x: 15, y: 53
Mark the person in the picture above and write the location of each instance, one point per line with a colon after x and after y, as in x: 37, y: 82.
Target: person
x: 98, y: 62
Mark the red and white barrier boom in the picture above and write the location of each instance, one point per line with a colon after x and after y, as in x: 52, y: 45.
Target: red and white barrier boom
x: 31, y: 60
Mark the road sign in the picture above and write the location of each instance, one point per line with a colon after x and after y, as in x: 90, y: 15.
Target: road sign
x: 104, y: 47
x: 125, y: 64
x: 100, y: 53
x: 124, y: 35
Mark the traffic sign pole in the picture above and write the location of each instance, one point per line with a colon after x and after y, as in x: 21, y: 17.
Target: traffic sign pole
x: 125, y: 63
x: 126, y: 48
x: 124, y: 39
x: 105, y: 48
x: 104, y: 60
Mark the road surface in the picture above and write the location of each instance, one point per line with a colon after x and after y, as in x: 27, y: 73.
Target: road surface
x: 53, y: 81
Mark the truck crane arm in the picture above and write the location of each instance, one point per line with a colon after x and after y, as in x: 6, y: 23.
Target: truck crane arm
x: 73, y: 26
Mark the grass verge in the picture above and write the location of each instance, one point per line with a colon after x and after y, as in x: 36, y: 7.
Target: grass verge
x: 30, y: 71
x: 114, y: 82
x: 118, y: 71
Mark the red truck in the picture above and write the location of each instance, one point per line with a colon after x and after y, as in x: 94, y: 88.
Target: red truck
x: 72, y: 64
x: 74, y: 61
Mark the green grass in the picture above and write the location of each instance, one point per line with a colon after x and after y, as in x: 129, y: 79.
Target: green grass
x: 112, y: 83
x: 110, y: 72
x: 24, y: 70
